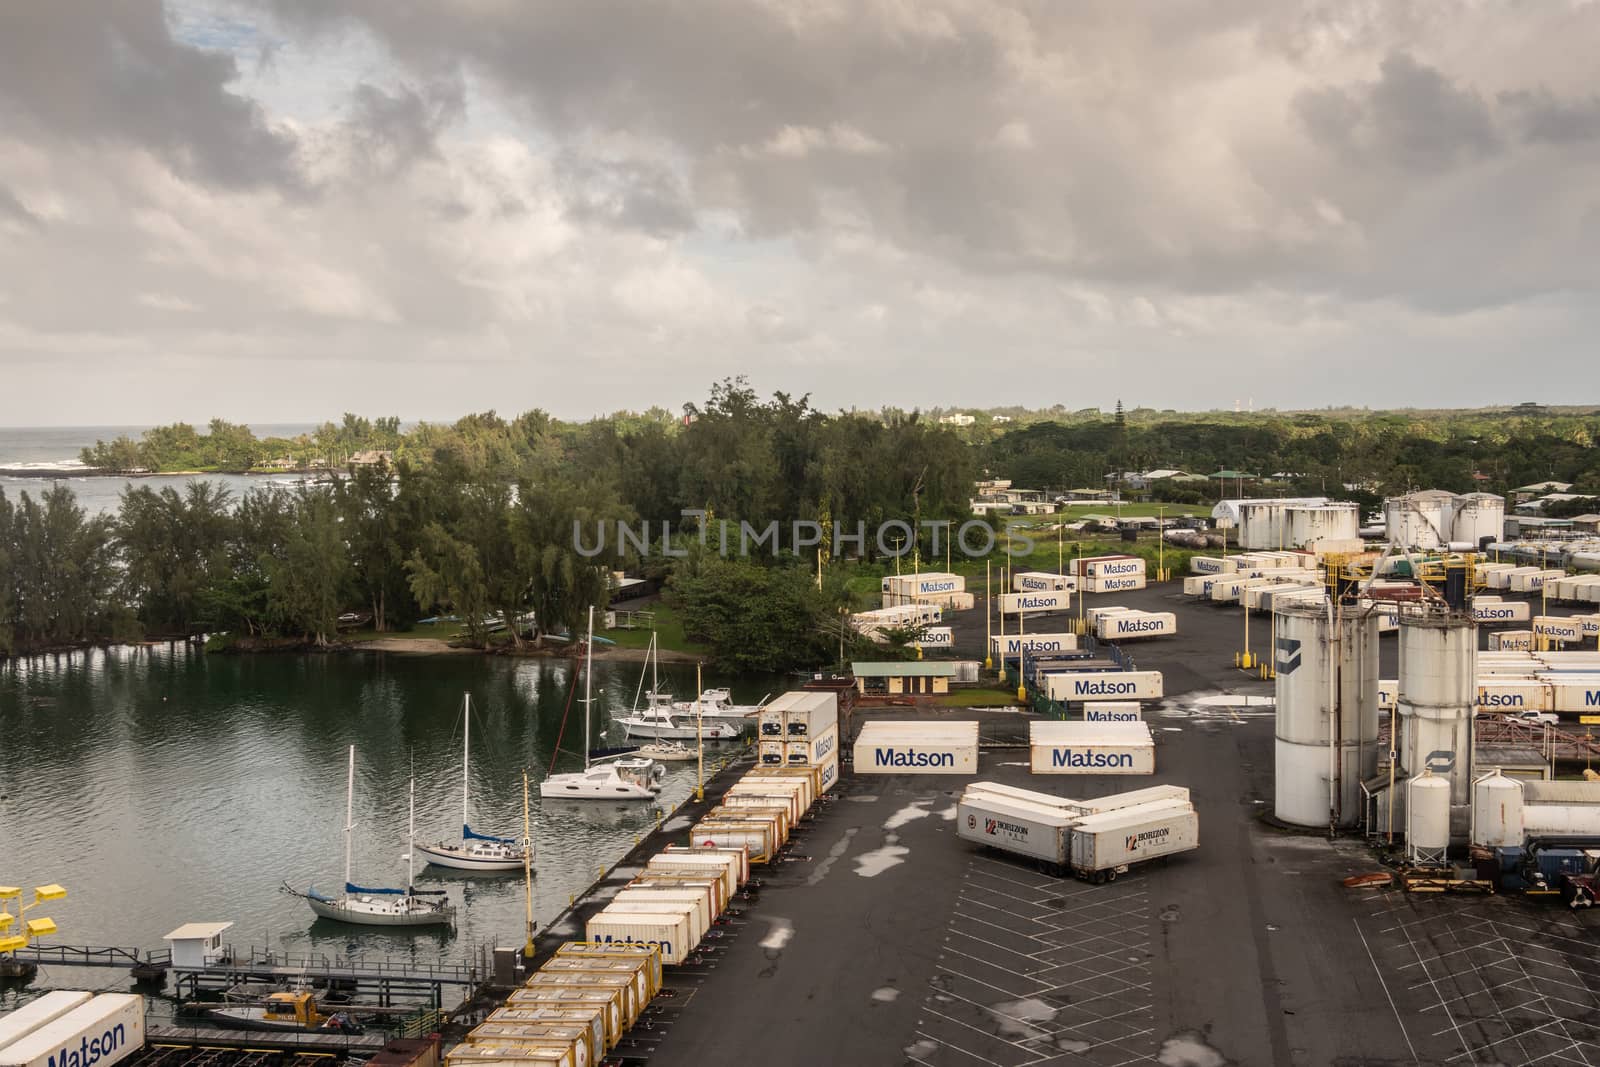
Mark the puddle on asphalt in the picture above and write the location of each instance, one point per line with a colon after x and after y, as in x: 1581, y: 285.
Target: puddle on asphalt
x: 910, y: 813
x: 1017, y: 1018
x: 782, y: 930
x: 1189, y: 1049
x: 886, y: 994
x: 871, y: 864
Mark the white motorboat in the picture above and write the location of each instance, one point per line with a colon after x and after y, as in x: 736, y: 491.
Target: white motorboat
x: 475, y: 851
x: 621, y: 778
x: 673, y: 725
x: 718, y: 704
x: 378, y: 907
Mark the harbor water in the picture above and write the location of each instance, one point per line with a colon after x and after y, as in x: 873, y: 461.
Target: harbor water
x: 163, y: 786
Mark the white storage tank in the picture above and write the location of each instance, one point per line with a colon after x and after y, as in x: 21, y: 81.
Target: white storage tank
x: 1497, y: 811
x: 1419, y: 520
x: 1438, y: 692
x: 1315, y: 655
x: 1478, y: 515
x: 1427, y: 820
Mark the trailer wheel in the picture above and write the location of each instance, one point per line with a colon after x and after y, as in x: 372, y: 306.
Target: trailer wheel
x: 1111, y: 875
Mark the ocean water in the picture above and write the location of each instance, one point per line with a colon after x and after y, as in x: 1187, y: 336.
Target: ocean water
x: 55, y: 449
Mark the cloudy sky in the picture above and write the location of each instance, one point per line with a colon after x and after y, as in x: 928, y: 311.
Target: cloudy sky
x: 283, y: 210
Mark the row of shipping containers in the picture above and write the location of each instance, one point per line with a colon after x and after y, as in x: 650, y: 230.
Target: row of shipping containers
x: 800, y: 729
x: 1512, y: 578
x: 1246, y: 562
x: 70, y: 1027
x: 1011, y: 646
x: 927, y: 587
x: 1093, y: 839
x: 1110, y: 574
x: 1575, y: 589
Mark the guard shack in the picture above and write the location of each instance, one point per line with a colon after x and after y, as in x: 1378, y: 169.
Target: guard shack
x: 197, y: 945
x: 909, y: 678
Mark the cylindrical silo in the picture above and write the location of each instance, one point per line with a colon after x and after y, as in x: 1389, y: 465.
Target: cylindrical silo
x: 1427, y: 820
x: 1479, y: 515
x: 1438, y: 688
x: 1327, y: 712
x: 1417, y: 520
x: 1497, y: 811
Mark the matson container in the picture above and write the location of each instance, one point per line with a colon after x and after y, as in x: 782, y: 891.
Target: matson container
x: 644, y: 957
x: 813, y: 749
x: 1037, y: 831
x: 930, y: 747
x: 1137, y: 624
x: 775, y: 812
x: 1552, y: 628
x: 1043, y: 582
x: 771, y: 753
x: 38, y: 1012
x: 643, y: 987
x: 621, y: 988
x: 1035, y: 603
x: 547, y: 1035
x: 1501, y: 613
x: 800, y: 712
x: 781, y: 801
x: 732, y: 865
x: 1211, y: 565
x: 1120, y: 566
x: 606, y: 1001
x: 937, y: 637
x: 1014, y: 645
x: 830, y: 772
x: 591, y: 1018
x: 670, y: 932
x: 1090, y: 748
x: 1115, y: 585
x: 1112, y: 711
x: 1513, y: 696
x: 810, y: 775
x: 1576, y: 695
x: 1511, y: 640
x: 789, y: 794
x: 513, y: 1056
x: 107, y: 1029
x: 1081, y: 686
x: 623, y: 910
x: 1104, y: 845
x: 704, y: 894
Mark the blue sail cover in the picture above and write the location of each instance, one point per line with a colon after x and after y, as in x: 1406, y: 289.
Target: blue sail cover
x: 468, y: 835
x: 351, y: 887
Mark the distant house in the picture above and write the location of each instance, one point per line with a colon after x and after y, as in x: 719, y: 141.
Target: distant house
x: 958, y: 419
x: 1089, y: 496
x: 1528, y: 492
x: 282, y: 463
x: 1539, y: 505
x: 998, y: 419
x: 1586, y: 523
x: 372, y: 457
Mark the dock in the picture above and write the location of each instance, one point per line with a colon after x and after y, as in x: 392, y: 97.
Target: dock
x: 266, y: 1040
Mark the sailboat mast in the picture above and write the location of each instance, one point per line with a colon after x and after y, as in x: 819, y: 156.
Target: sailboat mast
x: 655, y: 660
x: 527, y: 865
x: 349, y: 811
x: 466, y: 755
x: 588, y: 671
x: 411, y: 837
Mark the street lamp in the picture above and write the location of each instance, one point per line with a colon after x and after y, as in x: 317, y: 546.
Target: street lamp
x: 1161, y: 544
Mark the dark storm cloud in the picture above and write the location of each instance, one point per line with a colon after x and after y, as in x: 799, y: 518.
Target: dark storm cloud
x: 628, y: 194
x: 12, y: 208
x: 1541, y: 116
x: 391, y: 130
x: 110, y: 71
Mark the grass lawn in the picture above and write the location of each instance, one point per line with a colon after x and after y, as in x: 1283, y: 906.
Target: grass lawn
x: 976, y: 698
x: 668, y: 630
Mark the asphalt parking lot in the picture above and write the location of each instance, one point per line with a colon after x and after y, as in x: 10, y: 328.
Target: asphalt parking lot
x: 883, y: 939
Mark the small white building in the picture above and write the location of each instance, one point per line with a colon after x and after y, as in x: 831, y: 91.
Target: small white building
x: 958, y: 419
x: 197, y: 944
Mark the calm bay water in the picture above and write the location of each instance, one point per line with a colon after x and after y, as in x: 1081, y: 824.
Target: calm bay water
x: 163, y: 786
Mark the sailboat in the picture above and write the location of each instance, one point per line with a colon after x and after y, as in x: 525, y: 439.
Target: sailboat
x: 378, y: 907
x: 474, y: 852
x: 623, y: 778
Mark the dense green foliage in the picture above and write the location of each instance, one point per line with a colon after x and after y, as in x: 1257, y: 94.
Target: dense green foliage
x: 476, y: 518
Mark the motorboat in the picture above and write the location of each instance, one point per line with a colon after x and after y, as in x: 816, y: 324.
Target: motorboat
x: 661, y: 724
x: 718, y: 704
x: 621, y: 778
x: 378, y: 907
x: 295, y: 1010
x: 475, y: 851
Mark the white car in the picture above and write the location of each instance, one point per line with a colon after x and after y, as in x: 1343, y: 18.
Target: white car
x: 1536, y: 718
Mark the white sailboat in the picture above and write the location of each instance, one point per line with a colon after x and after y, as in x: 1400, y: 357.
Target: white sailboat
x: 622, y: 778
x: 378, y: 907
x: 670, y: 724
x: 718, y: 704
x: 475, y: 851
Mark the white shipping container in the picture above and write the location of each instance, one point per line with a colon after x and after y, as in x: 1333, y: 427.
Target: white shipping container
x: 1114, y: 585
x: 931, y: 747
x: 591, y: 1018
x: 1109, y: 843
x: 1575, y: 697
x: 814, y: 749
x: 1515, y: 640
x: 1500, y: 612
x: 703, y: 900
x: 1014, y: 645
x: 791, y: 794
x: 699, y: 859
x: 937, y: 637
x: 1043, y: 581
x: 759, y: 838
x: 1035, y: 603
x: 107, y: 1029
x: 1199, y: 585
x: 606, y: 1002
x: 1114, y: 568
x: 1556, y: 629
x: 799, y: 713
x: 1112, y: 711
x: 38, y: 1012
x: 688, y: 907
x: 1532, y: 580
x: 1112, y: 756
x: 666, y: 931
x: 1015, y: 826
x: 924, y: 584
x: 1211, y: 565
x: 1006, y: 793
x: 1076, y: 687
x: 553, y: 1032
x: 808, y: 782
x: 1152, y: 796
x: 771, y: 752
x: 1512, y: 696
x: 1139, y: 624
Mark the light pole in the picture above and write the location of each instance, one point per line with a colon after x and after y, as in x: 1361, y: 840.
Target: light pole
x: 1161, y: 544
x: 30, y: 928
x: 1077, y: 580
x: 988, y: 617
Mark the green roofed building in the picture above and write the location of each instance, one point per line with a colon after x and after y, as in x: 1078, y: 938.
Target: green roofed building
x: 903, y: 677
